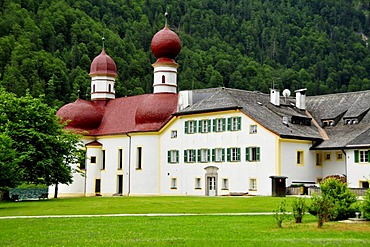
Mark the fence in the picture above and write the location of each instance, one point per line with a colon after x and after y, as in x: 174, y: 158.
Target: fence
x: 316, y: 190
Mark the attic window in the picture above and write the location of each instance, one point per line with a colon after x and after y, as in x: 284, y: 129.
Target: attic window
x: 328, y: 123
x: 350, y: 121
x: 301, y: 120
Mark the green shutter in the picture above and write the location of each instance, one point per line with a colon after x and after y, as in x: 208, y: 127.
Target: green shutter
x: 194, y: 154
x: 195, y: 126
x: 213, y: 155
x: 223, y: 154
x: 228, y: 154
x: 239, y: 123
x: 208, y: 155
x: 199, y: 155
x: 169, y: 156
x: 357, y: 156
x: 258, y: 154
x: 214, y: 125
x: 209, y: 125
x: 223, y: 124
x: 186, y: 127
x: 185, y: 156
x: 177, y: 156
x: 238, y: 156
x: 368, y: 155
x: 200, y: 126
x: 229, y: 124
x: 247, y: 157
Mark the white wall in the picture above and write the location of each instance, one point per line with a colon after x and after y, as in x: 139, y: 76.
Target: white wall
x: 356, y: 172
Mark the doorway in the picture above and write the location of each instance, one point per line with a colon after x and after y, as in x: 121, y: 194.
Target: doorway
x: 211, y: 186
x: 211, y: 178
x: 97, y: 186
x: 120, y: 184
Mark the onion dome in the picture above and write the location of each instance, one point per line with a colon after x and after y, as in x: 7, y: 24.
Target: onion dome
x: 155, y: 108
x: 166, y: 44
x: 81, y: 114
x: 103, y: 65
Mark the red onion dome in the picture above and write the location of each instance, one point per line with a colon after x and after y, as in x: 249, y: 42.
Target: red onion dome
x: 103, y: 65
x: 81, y: 114
x: 155, y: 108
x: 166, y: 44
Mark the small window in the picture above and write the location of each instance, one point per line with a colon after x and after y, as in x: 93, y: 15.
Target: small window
x: 339, y: 156
x: 327, y: 156
x: 318, y: 180
x: 205, y: 126
x: 120, y: 158
x: 252, y: 184
x: 318, y: 159
x: 190, y: 127
x: 219, y: 124
x: 203, y: 155
x: 173, y: 183
x: 93, y: 159
x: 103, y: 160
x: 225, y: 184
x: 252, y: 154
x: 253, y: 129
x: 189, y: 155
x: 173, y: 133
x: 218, y: 155
x: 233, y: 154
x: 93, y: 88
x: 364, y: 184
x: 139, y: 158
x: 234, y: 123
x: 300, y: 158
x: 173, y: 156
x: 198, y: 185
x: 109, y: 88
x: 163, y: 79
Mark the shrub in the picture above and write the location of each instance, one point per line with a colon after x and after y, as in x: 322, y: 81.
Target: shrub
x: 366, y: 205
x: 323, y: 207
x: 280, y: 214
x: 299, y: 209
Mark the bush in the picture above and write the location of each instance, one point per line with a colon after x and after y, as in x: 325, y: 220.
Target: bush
x: 340, y: 196
x: 299, y: 209
x: 280, y: 214
x: 366, y: 205
x: 323, y: 207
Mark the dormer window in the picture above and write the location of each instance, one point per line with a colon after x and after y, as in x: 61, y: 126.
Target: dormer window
x: 350, y: 121
x: 301, y: 120
x: 326, y: 123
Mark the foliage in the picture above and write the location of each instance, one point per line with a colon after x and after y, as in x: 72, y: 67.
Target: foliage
x: 31, y: 186
x: 299, y: 209
x: 35, y: 136
x: 366, y: 205
x: 323, y: 208
x: 281, y: 214
x: 47, y: 46
x: 9, y: 172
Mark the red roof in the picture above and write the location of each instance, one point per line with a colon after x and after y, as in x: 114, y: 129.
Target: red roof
x: 141, y: 113
x: 103, y: 65
x: 166, y: 44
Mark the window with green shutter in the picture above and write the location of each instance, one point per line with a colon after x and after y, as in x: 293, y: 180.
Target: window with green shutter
x: 234, y: 123
x: 233, y: 154
x: 219, y: 124
x: 173, y: 156
x: 252, y: 154
x: 190, y: 127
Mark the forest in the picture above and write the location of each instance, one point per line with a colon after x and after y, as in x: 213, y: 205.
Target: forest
x: 47, y: 46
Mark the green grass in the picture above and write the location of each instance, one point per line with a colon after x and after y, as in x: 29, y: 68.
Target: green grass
x: 168, y: 231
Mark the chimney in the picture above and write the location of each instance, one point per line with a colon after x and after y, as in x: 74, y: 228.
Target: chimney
x: 300, y: 98
x: 275, y: 97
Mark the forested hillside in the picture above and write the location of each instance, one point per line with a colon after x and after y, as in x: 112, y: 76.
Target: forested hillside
x: 47, y: 46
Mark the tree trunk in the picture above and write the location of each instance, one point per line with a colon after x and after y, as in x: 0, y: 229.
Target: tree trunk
x: 56, y: 191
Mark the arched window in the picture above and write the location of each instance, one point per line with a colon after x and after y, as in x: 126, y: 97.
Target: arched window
x: 163, y: 79
x: 109, y: 88
x: 94, y: 88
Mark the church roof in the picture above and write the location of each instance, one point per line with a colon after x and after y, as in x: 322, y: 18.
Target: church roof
x: 103, y: 65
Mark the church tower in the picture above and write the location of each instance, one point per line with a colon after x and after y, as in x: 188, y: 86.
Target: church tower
x: 103, y: 72
x: 166, y: 45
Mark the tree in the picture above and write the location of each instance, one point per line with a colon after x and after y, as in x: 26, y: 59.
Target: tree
x: 43, y: 148
x: 9, y: 171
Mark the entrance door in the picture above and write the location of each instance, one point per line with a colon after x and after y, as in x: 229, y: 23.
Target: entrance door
x: 97, y: 186
x: 211, y: 183
x: 120, y: 184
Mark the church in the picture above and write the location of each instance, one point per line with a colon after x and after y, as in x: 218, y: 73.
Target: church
x: 211, y: 142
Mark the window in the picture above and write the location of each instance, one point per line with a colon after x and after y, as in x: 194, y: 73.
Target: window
x: 219, y: 124
x: 163, y: 79
x: 203, y: 155
x: 139, y: 158
x: 362, y: 156
x: 173, y: 183
x: 120, y: 158
x: 252, y: 154
x: 318, y: 180
x: 205, y: 126
x: 173, y: 156
x: 198, y: 184
x: 93, y: 88
x: 300, y: 158
x: 327, y: 156
x: 252, y: 184
x: 218, y: 155
x: 189, y: 156
x: 364, y: 184
x: 253, y: 129
x: 97, y: 186
x: 234, y: 123
x: 225, y: 184
x: 190, y: 127
x: 109, y: 88
x: 318, y: 159
x: 103, y: 160
x: 173, y: 133
x: 233, y: 154
x: 339, y: 156
x: 93, y: 159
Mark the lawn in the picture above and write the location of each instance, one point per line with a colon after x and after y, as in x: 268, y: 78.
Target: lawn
x: 168, y: 231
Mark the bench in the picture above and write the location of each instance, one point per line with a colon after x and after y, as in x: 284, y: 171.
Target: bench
x: 44, y: 196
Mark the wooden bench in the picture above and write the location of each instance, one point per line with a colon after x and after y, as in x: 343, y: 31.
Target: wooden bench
x: 44, y: 196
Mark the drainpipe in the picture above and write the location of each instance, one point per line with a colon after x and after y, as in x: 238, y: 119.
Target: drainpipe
x: 345, y: 163
x: 129, y: 165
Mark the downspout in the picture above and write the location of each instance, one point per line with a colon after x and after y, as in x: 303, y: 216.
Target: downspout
x: 86, y: 164
x: 129, y: 165
x: 345, y: 163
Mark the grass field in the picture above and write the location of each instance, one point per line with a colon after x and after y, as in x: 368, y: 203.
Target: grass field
x: 168, y: 231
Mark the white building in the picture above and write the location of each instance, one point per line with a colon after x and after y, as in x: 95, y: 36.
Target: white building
x: 212, y: 141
